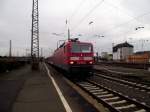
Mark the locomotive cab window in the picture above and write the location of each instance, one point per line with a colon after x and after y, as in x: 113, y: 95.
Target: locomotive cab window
x: 78, y: 48
x: 86, y: 48
x: 75, y: 48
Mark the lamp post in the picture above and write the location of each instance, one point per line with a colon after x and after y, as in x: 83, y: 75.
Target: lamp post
x: 51, y: 51
x: 97, y: 49
x: 137, y: 28
x: 90, y: 25
x: 10, y: 48
x: 27, y: 52
x: 142, y: 41
x: 58, y: 34
x: 99, y: 35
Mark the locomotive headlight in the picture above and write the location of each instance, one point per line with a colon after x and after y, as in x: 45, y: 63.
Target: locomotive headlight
x: 90, y: 62
x: 71, y: 62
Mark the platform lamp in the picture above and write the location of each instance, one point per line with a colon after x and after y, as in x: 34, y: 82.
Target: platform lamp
x: 139, y: 27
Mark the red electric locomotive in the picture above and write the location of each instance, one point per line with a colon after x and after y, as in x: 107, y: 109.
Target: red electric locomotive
x: 74, y: 57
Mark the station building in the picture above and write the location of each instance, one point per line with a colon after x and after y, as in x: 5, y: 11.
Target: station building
x: 122, y: 51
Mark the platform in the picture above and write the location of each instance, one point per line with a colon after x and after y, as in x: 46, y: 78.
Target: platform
x: 24, y: 90
x: 38, y: 95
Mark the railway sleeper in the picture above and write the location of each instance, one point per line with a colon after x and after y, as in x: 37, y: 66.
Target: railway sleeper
x: 97, y: 90
x: 118, y: 102
x: 99, y: 93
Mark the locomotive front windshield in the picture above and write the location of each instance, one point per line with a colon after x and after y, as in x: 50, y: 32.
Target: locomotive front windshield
x: 81, y: 48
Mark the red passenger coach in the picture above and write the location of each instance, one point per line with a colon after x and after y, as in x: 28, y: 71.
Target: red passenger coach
x: 75, y: 57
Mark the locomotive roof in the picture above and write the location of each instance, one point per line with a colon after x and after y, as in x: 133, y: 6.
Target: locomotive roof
x: 72, y: 41
x: 68, y: 42
x: 79, y: 42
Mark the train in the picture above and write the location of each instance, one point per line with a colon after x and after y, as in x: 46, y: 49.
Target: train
x: 139, y: 57
x: 74, y: 57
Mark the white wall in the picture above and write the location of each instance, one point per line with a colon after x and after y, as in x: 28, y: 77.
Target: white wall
x: 126, y: 51
x: 116, y: 55
x: 122, y: 53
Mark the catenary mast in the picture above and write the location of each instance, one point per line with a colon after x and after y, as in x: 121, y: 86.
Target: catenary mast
x: 35, y: 34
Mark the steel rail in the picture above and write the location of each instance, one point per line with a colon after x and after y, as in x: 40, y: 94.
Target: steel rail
x: 90, y: 87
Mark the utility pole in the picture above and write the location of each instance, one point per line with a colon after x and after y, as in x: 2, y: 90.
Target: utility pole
x: 10, y: 49
x: 68, y: 30
x: 41, y: 52
x: 35, y: 35
x: 142, y: 44
x: 68, y: 34
x: 113, y: 44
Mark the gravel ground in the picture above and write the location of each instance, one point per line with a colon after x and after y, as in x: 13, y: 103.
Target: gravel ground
x: 137, y: 73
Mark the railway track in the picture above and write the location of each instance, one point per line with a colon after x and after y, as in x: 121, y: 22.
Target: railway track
x: 139, y: 86
x: 114, y: 101
x: 137, y: 92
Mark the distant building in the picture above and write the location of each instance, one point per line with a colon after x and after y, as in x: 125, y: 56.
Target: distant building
x: 110, y: 57
x: 122, y: 51
x: 139, y: 57
x: 106, y: 56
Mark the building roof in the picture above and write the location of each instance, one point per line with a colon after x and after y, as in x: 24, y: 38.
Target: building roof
x: 125, y: 44
x: 142, y: 52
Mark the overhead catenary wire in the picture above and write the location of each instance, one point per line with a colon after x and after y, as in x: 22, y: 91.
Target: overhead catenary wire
x: 125, y: 23
x: 122, y: 24
x: 93, y: 9
x: 118, y: 8
x: 67, y: 21
x: 76, y: 10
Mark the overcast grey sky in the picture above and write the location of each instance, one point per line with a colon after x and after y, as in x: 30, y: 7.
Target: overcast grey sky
x: 115, y: 19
